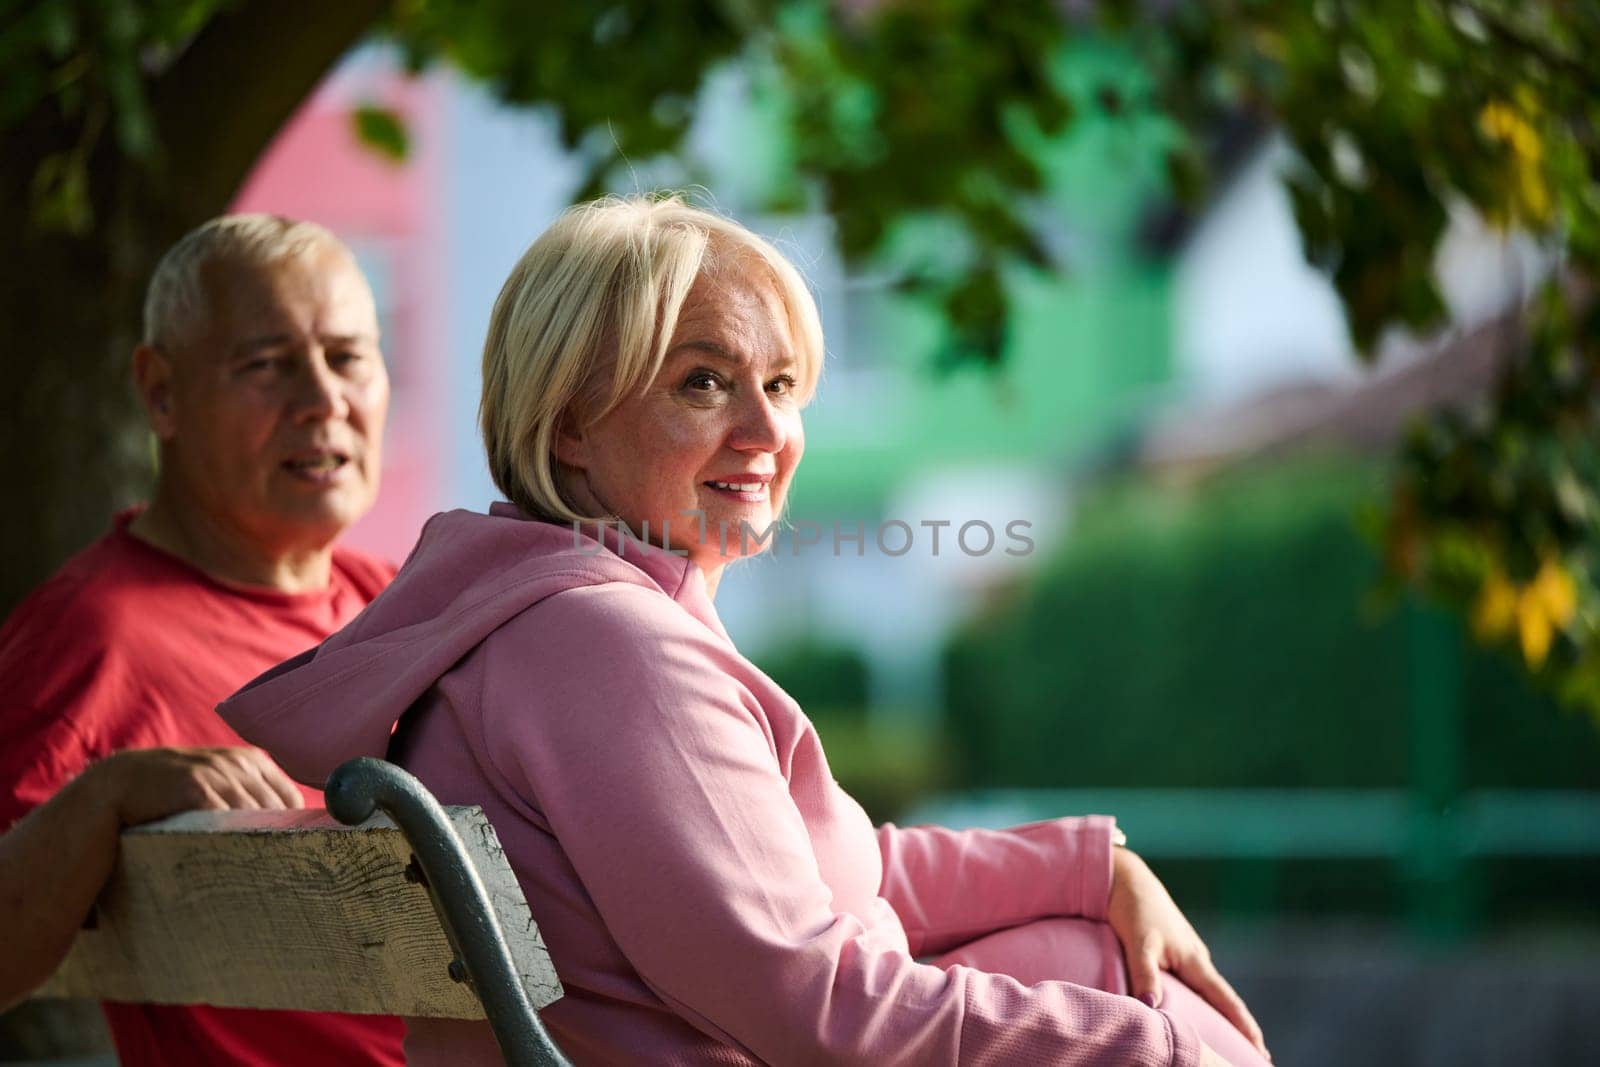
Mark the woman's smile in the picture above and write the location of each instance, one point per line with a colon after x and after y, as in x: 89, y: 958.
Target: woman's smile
x: 751, y: 488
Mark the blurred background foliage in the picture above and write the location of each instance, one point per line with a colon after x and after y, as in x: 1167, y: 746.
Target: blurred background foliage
x: 124, y: 123
x: 1399, y: 114
x: 1237, y: 595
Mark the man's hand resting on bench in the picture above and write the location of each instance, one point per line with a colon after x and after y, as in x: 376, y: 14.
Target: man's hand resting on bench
x: 54, y: 860
x: 151, y: 783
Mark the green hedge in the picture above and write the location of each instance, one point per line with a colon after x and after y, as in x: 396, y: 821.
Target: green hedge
x: 818, y: 674
x: 1227, y: 636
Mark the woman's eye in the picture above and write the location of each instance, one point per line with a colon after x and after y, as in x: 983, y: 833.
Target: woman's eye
x: 702, y: 381
x: 782, y: 385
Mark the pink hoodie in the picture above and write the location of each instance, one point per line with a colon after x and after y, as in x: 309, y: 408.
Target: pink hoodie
x: 707, y: 891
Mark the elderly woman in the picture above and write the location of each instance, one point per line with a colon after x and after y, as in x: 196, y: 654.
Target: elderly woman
x: 707, y: 891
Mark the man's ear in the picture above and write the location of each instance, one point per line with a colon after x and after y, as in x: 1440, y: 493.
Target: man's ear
x: 152, y: 379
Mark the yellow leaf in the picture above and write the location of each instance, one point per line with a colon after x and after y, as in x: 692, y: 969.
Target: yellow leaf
x: 1496, y: 607
x: 1533, y: 627
x: 1556, y: 592
x: 1498, y: 120
x: 1509, y: 125
x: 1533, y: 194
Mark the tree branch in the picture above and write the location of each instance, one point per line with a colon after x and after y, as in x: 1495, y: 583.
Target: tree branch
x: 1516, y: 40
x: 244, y: 74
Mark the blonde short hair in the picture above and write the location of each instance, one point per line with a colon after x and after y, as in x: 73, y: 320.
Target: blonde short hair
x: 175, y: 305
x: 604, y: 286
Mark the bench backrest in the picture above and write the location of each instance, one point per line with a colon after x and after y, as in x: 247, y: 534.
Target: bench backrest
x: 290, y: 909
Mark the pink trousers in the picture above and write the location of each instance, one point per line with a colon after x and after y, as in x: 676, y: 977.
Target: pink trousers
x: 1087, y: 953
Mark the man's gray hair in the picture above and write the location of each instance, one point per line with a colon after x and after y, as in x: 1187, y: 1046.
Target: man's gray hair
x: 175, y: 303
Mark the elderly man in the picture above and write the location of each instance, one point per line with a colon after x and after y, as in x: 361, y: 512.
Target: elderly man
x: 263, y: 382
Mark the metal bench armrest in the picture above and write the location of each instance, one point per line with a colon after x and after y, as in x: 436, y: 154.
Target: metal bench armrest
x: 355, y: 792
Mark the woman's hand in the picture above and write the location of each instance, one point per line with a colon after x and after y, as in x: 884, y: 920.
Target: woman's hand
x: 1156, y: 937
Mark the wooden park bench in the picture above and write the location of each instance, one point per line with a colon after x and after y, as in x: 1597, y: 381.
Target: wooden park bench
x: 385, y: 903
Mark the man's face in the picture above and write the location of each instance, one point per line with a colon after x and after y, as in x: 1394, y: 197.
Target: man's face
x: 273, y: 418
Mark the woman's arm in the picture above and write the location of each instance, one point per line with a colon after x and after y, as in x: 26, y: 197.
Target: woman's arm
x: 950, y: 886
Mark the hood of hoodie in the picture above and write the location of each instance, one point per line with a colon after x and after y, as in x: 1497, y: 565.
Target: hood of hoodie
x: 468, y: 575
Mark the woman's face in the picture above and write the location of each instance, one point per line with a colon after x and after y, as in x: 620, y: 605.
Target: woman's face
x: 707, y: 451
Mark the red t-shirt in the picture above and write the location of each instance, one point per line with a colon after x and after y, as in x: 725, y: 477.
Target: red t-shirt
x: 130, y: 647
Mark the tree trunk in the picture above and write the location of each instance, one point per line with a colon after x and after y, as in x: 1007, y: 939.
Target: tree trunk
x: 73, y: 439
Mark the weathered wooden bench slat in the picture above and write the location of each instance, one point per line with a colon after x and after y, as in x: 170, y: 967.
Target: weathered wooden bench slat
x: 293, y: 910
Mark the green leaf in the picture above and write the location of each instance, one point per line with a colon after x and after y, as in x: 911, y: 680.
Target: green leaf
x: 382, y: 130
x: 61, y: 195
